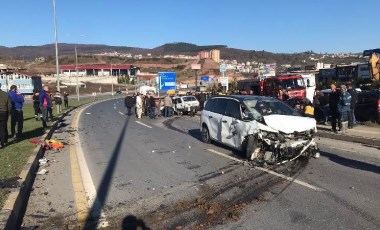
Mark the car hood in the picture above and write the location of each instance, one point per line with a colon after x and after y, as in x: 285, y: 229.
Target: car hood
x: 289, y: 124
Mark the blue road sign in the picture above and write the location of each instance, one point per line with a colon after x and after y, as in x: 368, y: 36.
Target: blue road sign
x: 205, y: 78
x: 167, y: 80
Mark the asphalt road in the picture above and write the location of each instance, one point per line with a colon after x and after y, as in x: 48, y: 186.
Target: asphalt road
x: 158, y: 173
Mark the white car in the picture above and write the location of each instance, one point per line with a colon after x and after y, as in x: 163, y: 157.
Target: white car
x: 263, y: 128
x: 185, y: 104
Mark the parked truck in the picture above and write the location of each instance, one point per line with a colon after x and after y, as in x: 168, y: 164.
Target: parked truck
x: 293, y: 83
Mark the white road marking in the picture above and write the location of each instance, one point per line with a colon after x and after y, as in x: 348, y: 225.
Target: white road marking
x: 114, y: 107
x: 121, y: 113
x: 270, y: 172
x: 138, y: 122
x: 88, y: 113
x: 88, y: 184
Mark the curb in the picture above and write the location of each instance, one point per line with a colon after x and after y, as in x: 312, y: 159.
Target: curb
x: 14, y: 207
x: 343, y: 137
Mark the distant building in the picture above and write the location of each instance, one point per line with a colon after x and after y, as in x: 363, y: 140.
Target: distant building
x: 212, y: 54
x: 26, y: 82
x: 99, y: 70
x: 204, y: 54
x: 215, y: 55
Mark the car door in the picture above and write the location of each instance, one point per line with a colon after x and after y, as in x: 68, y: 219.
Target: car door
x: 229, y: 123
x: 215, y: 118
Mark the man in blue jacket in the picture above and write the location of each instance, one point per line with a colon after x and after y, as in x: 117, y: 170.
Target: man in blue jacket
x: 17, y: 116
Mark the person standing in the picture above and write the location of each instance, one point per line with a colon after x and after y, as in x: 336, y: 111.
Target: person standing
x: 129, y: 103
x: 333, y: 103
x: 36, y: 104
x: 5, y: 109
x: 354, y: 101
x: 344, y: 106
x: 66, y: 99
x: 58, y: 102
x: 50, y: 106
x: 17, y: 115
x: 152, y: 107
x: 139, y: 105
x: 168, y: 103
x: 45, y: 101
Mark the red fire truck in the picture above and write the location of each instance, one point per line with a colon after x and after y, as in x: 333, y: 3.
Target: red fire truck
x: 271, y: 86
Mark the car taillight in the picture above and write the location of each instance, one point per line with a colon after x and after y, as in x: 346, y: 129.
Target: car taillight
x: 378, y: 105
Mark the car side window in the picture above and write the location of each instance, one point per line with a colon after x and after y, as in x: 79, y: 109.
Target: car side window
x: 220, y: 106
x: 233, y: 109
x: 210, y: 104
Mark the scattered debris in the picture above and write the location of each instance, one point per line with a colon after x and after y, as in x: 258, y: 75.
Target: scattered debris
x: 88, y: 113
x: 42, y: 172
x: 189, y: 147
x: 352, y: 187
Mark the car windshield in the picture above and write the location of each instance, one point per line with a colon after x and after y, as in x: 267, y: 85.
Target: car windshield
x: 260, y: 108
x: 296, y: 83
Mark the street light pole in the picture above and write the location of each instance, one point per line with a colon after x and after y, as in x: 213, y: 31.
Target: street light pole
x: 76, y: 67
x: 56, y: 46
x: 111, y: 80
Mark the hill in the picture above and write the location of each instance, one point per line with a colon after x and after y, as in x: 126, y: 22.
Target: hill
x: 48, y: 51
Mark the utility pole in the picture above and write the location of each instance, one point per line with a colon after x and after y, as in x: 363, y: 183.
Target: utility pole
x: 56, y: 46
x: 111, y: 80
x: 76, y: 67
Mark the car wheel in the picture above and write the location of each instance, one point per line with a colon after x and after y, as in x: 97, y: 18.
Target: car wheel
x: 251, y: 150
x: 206, y: 135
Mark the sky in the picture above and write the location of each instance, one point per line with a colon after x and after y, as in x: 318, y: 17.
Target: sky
x: 282, y: 26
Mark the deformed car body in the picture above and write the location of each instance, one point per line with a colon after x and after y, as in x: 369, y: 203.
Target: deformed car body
x: 263, y: 128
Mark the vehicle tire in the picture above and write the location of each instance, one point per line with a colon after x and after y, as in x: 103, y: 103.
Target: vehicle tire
x: 251, y: 148
x: 180, y: 113
x: 205, y: 135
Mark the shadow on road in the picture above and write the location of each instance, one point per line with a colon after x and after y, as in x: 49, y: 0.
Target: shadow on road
x: 132, y: 223
x: 352, y: 163
x: 93, y: 219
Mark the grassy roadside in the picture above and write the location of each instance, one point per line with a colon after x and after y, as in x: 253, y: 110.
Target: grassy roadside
x: 14, y: 156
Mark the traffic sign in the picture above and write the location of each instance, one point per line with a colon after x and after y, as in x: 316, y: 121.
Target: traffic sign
x: 205, y: 78
x: 223, y: 68
x: 167, y: 80
x: 223, y: 81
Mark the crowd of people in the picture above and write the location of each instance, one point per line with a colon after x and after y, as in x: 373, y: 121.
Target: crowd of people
x: 148, y: 105
x: 11, y: 105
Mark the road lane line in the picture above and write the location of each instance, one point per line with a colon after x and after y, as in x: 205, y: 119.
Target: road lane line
x: 138, y: 122
x: 84, y: 187
x: 291, y: 179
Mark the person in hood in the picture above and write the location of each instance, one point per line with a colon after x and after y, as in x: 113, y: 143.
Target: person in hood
x: 17, y: 115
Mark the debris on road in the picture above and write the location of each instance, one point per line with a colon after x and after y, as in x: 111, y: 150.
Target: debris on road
x: 42, y: 172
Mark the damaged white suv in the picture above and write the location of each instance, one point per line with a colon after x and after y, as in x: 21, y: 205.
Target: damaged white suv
x: 263, y: 128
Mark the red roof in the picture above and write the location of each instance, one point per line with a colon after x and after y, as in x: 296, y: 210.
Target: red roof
x: 95, y: 66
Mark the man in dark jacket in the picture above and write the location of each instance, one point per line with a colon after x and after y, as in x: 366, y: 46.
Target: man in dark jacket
x: 36, y: 104
x: 333, y: 103
x: 129, y: 102
x: 17, y: 115
x: 151, y: 107
x: 5, y: 109
x: 45, y: 102
x: 354, y: 100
